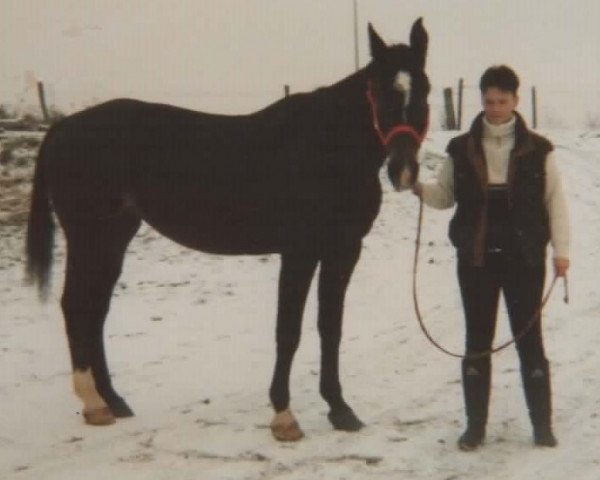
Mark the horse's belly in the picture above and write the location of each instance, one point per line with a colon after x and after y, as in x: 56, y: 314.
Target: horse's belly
x: 224, y: 241
x: 216, y: 229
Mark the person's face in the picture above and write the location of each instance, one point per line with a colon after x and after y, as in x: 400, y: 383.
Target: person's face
x: 498, y: 105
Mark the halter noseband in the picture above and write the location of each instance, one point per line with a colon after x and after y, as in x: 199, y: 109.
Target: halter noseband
x: 399, y: 129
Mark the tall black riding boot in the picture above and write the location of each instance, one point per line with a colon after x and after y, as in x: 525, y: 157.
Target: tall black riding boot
x: 476, y: 388
x: 536, y: 383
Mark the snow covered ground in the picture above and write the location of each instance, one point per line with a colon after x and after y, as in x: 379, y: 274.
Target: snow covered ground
x: 190, y: 341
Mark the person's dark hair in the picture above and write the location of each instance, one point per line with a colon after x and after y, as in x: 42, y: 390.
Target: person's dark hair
x: 500, y: 76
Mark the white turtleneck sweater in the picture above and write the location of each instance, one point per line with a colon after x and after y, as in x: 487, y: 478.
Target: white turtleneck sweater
x: 498, y: 141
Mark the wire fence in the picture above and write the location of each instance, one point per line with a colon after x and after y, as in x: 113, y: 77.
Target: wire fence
x: 556, y: 108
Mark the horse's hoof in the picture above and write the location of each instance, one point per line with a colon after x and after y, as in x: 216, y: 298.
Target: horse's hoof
x: 99, y: 417
x: 285, y: 428
x: 345, y: 419
x: 119, y: 408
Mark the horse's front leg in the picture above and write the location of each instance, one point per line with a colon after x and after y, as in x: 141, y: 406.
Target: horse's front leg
x: 336, y: 269
x: 297, y: 270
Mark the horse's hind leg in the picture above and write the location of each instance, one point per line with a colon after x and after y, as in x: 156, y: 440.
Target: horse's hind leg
x: 94, y: 258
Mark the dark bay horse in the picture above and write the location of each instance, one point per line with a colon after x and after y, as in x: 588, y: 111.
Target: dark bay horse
x: 299, y: 178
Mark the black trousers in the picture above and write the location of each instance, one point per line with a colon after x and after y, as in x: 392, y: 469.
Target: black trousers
x: 522, y: 287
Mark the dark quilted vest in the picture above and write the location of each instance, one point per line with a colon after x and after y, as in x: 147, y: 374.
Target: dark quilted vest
x: 528, y: 218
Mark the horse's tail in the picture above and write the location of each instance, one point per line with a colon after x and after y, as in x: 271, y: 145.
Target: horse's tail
x: 40, y: 227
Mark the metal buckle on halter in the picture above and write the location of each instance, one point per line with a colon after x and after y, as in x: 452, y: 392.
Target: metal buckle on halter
x: 494, y: 250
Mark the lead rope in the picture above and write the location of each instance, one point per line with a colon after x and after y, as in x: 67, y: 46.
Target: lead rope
x: 535, y: 317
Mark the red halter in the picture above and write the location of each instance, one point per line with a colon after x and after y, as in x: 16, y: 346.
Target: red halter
x: 401, y: 128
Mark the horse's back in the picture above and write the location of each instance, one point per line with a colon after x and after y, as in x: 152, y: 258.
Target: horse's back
x: 213, y: 182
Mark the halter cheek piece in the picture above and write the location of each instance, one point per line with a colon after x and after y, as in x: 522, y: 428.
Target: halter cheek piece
x: 399, y: 129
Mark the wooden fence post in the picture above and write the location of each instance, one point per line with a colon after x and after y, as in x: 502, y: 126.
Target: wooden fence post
x: 460, y: 103
x: 449, y: 105
x: 42, y: 97
x: 286, y: 90
x: 533, y: 108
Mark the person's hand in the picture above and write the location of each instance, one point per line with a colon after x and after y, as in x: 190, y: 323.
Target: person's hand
x: 417, y: 189
x: 561, y: 265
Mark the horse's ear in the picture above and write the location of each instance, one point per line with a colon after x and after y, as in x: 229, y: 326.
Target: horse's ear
x: 418, y: 42
x: 377, y: 45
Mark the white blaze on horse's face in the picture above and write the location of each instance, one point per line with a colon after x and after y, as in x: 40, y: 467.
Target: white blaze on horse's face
x: 402, y: 84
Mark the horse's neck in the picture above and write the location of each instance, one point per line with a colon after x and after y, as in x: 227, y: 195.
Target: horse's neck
x: 349, y: 108
x: 352, y: 90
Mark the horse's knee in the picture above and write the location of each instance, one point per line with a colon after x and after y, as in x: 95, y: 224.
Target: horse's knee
x: 287, y: 339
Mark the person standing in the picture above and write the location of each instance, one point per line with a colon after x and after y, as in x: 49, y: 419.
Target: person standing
x: 510, y: 203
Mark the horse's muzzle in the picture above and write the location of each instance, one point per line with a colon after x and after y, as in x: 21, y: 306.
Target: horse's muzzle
x: 403, y: 167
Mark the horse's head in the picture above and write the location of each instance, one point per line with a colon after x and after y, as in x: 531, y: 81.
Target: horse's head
x: 397, y: 91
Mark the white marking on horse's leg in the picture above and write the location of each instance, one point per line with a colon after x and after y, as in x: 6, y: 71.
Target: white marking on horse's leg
x: 285, y: 428
x: 95, y: 409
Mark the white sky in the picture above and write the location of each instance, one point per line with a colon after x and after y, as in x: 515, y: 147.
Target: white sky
x: 236, y: 55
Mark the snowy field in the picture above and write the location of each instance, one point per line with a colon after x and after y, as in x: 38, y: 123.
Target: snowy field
x: 190, y: 341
